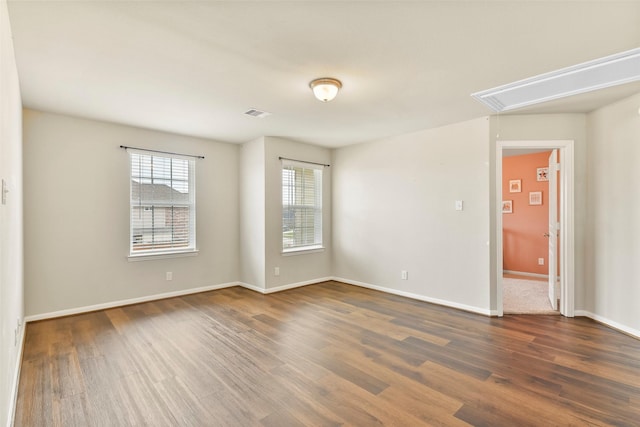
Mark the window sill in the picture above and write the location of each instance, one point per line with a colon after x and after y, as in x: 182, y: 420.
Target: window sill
x: 161, y: 255
x: 303, y: 251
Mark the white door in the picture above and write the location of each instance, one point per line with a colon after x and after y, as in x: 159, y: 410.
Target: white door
x: 553, y: 227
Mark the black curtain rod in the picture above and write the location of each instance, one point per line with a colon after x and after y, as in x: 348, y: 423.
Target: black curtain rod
x: 304, y: 161
x: 163, y: 152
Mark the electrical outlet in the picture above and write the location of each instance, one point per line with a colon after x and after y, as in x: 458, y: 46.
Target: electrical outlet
x: 276, y: 271
x: 540, y: 261
x: 404, y: 275
x: 169, y: 275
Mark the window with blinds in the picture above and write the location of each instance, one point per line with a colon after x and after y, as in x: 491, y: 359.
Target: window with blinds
x: 162, y: 204
x: 301, y: 206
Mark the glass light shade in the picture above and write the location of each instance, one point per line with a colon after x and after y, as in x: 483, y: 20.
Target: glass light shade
x: 325, y: 89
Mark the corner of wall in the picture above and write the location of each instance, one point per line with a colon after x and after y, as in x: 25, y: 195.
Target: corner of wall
x: 252, y: 212
x: 613, y: 232
x: 11, y: 223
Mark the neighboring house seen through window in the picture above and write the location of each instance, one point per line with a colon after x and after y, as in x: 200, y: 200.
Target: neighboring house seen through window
x: 162, y: 204
x: 301, y: 206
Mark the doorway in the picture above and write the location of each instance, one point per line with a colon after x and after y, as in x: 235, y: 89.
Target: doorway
x: 563, y: 228
x: 525, y: 224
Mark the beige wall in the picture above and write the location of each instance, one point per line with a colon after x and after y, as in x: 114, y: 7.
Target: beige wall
x: 394, y: 209
x: 305, y: 267
x: 77, y: 215
x: 252, y: 213
x: 11, y: 222
x: 389, y: 206
x: 612, y: 278
x: 261, y: 213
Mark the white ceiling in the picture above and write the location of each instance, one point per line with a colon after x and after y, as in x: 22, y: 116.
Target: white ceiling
x: 194, y: 67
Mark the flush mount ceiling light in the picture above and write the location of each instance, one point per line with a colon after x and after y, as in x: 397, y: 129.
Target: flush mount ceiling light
x: 326, y: 88
x: 601, y: 73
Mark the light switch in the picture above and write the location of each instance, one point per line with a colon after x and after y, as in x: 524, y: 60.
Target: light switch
x: 458, y: 205
x: 4, y: 192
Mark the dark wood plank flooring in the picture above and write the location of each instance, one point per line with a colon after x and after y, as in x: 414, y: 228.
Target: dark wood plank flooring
x: 323, y: 355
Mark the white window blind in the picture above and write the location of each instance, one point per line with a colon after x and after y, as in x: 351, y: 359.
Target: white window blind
x: 162, y: 204
x: 301, y: 206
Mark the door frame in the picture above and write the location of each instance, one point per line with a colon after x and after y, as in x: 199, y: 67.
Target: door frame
x: 567, y: 216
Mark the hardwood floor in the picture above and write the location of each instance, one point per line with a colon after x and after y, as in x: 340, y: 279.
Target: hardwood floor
x: 323, y: 355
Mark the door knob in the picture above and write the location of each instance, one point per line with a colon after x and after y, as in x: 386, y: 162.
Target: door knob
x: 547, y: 235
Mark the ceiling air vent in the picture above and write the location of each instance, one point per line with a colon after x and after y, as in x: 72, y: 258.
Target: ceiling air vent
x: 593, y: 75
x: 257, y: 113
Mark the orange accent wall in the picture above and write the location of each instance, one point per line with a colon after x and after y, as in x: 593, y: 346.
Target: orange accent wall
x: 523, y: 230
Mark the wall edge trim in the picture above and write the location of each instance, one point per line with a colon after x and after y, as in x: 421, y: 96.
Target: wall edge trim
x: 524, y: 273
x: 125, y: 302
x: 13, y: 398
x: 285, y: 287
x: 445, y: 303
x: 298, y: 284
x: 610, y: 323
x: 251, y: 287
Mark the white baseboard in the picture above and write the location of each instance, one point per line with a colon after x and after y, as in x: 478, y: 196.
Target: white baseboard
x: 610, y: 323
x: 13, y: 399
x: 523, y: 273
x: 437, y: 301
x: 251, y: 287
x: 78, y: 310
x: 297, y: 285
x: 284, y: 287
x: 120, y: 303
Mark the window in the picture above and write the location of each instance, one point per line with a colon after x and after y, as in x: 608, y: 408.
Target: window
x: 163, y: 204
x: 301, y: 206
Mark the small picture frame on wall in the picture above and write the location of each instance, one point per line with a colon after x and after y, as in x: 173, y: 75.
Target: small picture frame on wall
x: 542, y: 174
x: 507, y: 206
x: 515, y: 186
x: 535, y: 198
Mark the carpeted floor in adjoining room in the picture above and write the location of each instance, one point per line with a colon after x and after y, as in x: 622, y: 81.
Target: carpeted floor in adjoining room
x: 522, y: 296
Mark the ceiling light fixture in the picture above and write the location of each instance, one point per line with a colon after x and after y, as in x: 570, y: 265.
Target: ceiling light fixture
x: 601, y: 73
x: 326, y: 88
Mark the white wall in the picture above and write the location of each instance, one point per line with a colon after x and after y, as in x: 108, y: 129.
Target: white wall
x: 612, y: 277
x: 252, y: 214
x: 393, y: 210
x: 547, y: 127
x: 11, y: 223
x: 305, y: 267
x: 77, y: 215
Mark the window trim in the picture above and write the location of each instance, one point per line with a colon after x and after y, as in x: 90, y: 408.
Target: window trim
x: 303, y: 250
x: 316, y: 246
x: 159, y: 255
x: 149, y: 254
